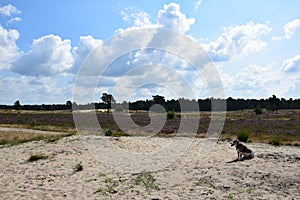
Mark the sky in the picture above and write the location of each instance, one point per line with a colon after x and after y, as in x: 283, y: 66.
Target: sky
x: 254, y: 45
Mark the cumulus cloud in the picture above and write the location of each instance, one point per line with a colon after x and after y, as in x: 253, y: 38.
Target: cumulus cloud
x: 29, y: 89
x: 48, y: 56
x: 259, y: 81
x: 9, y: 10
x: 86, y: 45
x: 8, y: 48
x: 238, y: 41
x: 171, y: 17
x: 138, y: 18
x: 291, y: 64
x: 291, y: 27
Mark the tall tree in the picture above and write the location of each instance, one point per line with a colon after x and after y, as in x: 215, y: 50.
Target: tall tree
x: 69, y: 105
x: 17, y: 105
x: 108, y: 99
x: 157, y: 99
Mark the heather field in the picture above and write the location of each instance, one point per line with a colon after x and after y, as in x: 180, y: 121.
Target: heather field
x: 282, y: 127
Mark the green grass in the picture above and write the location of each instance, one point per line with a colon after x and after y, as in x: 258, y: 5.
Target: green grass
x: 19, y: 137
x: 276, y: 141
x: 110, y: 186
x: 146, y: 180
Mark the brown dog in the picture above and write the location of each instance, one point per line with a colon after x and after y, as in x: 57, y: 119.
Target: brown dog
x: 242, y: 151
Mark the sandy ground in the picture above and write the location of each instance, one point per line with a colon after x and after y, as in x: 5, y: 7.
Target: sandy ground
x: 273, y: 174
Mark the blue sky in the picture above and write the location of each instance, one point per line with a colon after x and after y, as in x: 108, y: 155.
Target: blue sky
x: 254, y: 45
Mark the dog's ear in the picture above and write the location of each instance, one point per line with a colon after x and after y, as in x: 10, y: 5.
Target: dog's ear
x: 232, y: 142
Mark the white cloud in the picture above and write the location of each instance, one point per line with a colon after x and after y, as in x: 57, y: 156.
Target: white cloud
x: 171, y: 17
x: 290, y: 28
x: 197, y: 5
x: 31, y: 90
x: 15, y: 19
x: 259, y: 81
x: 9, y: 10
x: 138, y: 18
x: 86, y: 45
x: 291, y: 64
x: 48, y: 56
x: 238, y: 41
x: 8, y: 47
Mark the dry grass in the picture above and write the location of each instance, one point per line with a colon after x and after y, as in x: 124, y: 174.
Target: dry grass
x: 17, y: 137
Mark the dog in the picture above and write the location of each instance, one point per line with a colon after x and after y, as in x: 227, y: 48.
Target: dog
x: 242, y: 151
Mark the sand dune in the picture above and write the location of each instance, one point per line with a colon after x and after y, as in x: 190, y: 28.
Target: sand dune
x: 272, y: 174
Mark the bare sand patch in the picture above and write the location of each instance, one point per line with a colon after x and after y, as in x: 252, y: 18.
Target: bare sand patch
x: 272, y: 174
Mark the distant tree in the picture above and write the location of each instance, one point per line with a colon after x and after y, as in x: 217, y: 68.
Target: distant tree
x: 273, y: 103
x: 157, y: 99
x: 69, y: 105
x: 17, y: 105
x: 108, y: 99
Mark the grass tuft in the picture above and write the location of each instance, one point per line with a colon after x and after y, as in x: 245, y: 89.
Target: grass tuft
x: 78, y: 167
x: 276, y: 141
x: 35, y: 157
x: 147, y: 180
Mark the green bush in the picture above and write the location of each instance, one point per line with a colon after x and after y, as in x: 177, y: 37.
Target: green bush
x: 276, y: 141
x: 171, y: 115
x: 258, y: 110
x: 33, y: 123
x: 107, y: 132
x: 243, y: 136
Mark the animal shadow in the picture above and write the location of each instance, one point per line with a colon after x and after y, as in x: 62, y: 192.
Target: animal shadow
x: 238, y: 160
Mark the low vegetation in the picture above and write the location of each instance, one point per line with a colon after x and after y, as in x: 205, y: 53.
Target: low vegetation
x: 78, y: 167
x: 35, y: 157
x: 18, y: 137
x: 145, y: 179
x: 245, y: 125
x: 110, y: 186
x: 243, y: 136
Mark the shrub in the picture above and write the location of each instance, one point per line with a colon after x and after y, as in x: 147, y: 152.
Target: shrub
x: 258, y: 110
x: 171, y: 115
x: 33, y: 123
x: 276, y: 141
x: 243, y: 136
x: 19, y: 118
x: 107, y: 132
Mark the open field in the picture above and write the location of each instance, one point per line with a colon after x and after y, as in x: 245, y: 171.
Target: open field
x: 46, y: 164
x: 283, y: 126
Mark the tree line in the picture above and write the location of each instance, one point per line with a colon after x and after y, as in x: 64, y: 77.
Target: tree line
x: 107, y: 102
